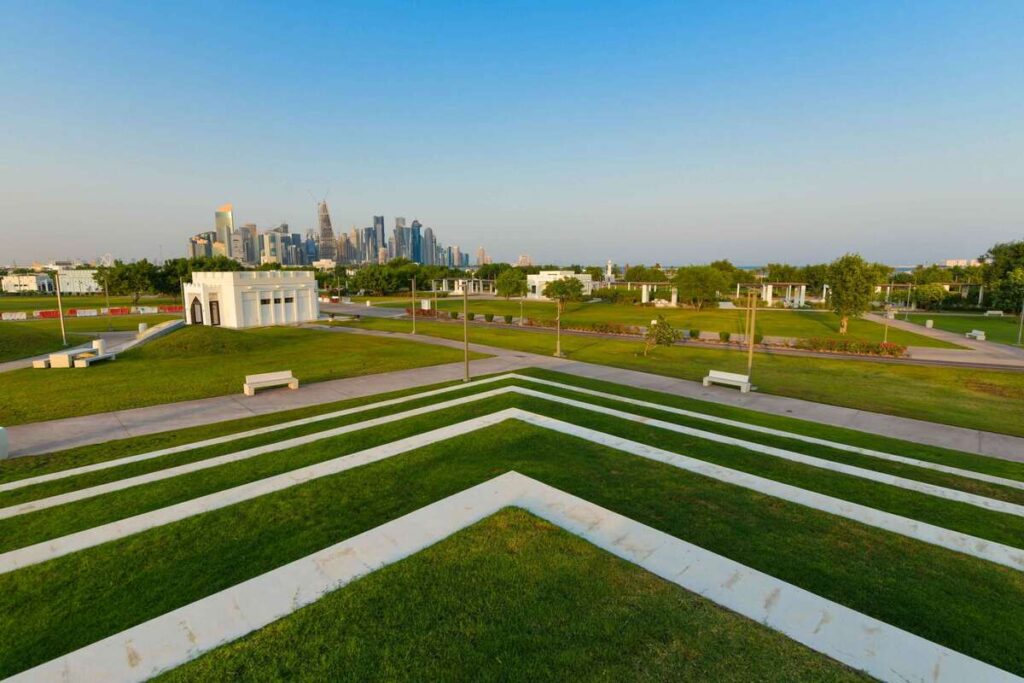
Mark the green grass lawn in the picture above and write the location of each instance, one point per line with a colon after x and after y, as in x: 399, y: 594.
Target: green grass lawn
x: 981, y: 399
x: 947, y: 597
x: 46, y: 302
x: 1002, y: 330
x: 774, y: 322
x: 197, y: 362
x: 35, y: 337
x: 621, y: 623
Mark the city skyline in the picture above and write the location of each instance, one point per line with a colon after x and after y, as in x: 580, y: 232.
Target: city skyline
x: 676, y: 132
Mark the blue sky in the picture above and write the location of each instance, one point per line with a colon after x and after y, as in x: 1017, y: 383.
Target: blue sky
x: 675, y: 132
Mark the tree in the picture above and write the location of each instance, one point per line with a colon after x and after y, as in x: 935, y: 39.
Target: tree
x: 491, y: 271
x: 1009, y: 292
x: 566, y: 289
x: 930, y: 296
x: 131, y: 279
x: 701, y: 284
x: 782, y: 272
x: 645, y: 274
x: 596, y: 273
x: 851, y: 280
x: 659, y: 333
x: 374, y: 278
x: 511, y: 282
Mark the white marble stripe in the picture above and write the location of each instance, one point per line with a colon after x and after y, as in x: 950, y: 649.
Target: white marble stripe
x: 971, y: 474
x: 851, y: 470
x: 922, y: 531
x: 187, y: 468
x: 227, y: 438
x: 64, y: 545
x: 956, y: 495
x: 926, y: 464
x: 855, y: 639
x: 905, y: 526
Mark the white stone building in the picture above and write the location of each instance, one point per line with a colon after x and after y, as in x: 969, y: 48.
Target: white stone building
x: 33, y: 282
x: 535, y: 284
x: 251, y: 298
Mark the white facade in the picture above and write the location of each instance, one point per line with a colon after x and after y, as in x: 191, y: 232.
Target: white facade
x: 79, y: 281
x: 251, y: 298
x: 33, y: 282
x: 535, y: 284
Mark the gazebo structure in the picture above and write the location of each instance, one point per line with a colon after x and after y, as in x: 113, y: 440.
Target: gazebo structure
x: 796, y: 292
x: 456, y: 285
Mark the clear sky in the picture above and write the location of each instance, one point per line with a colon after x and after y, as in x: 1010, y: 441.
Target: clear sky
x: 675, y: 132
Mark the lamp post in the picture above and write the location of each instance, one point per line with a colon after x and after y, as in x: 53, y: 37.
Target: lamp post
x: 1020, y: 325
x: 60, y: 309
x: 106, y: 293
x: 465, y: 329
x: 750, y: 337
x: 558, y: 329
x: 414, y: 304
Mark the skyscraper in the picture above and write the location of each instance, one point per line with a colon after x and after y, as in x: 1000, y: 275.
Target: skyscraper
x: 378, y: 231
x: 429, y: 247
x: 328, y: 246
x: 224, y: 223
x: 416, y: 242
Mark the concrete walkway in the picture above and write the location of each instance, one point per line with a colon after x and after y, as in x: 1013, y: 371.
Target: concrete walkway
x: 42, y: 437
x: 977, y: 353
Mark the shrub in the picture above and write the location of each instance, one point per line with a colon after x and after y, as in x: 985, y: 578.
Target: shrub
x: 694, y: 334
x: 471, y: 316
x: 723, y: 336
x: 508, y: 319
x: 758, y: 338
x: 489, y: 317
x: 454, y: 315
x: 856, y: 346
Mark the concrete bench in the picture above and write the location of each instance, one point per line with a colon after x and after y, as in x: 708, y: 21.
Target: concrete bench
x: 41, y: 364
x: 84, y: 360
x: 62, y: 360
x: 993, y: 313
x: 269, y: 379
x: 4, y: 446
x: 730, y: 378
x: 976, y: 334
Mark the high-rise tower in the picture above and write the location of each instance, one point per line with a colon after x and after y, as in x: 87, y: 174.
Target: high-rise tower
x: 328, y: 246
x: 224, y: 223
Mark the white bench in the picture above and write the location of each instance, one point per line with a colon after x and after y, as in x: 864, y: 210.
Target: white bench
x: 86, y: 359
x: 41, y: 364
x: 269, y: 379
x: 730, y: 378
x: 976, y: 334
x: 993, y: 313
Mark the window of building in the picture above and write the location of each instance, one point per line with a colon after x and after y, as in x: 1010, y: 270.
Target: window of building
x: 289, y: 299
x: 215, y: 313
x: 264, y: 302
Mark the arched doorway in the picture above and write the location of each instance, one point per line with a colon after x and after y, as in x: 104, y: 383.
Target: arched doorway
x: 197, y: 311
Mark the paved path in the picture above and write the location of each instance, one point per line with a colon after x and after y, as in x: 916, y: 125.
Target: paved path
x: 41, y: 437
x: 977, y: 353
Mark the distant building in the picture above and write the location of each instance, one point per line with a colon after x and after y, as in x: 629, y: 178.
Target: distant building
x: 21, y: 284
x: 535, y: 284
x: 524, y: 261
x: 961, y: 262
x: 482, y: 259
x: 224, y: 225
x: 328, y: 245
x: 251, y: 298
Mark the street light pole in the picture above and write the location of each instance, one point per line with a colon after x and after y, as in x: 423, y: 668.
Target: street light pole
x: 414, y: 305
x: 1020, y: 326
x: 753, y: 326
x: 465, y: 329
x: 558, y: 329
x: 60, y: 309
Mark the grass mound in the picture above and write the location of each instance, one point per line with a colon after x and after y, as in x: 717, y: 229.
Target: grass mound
x: 200, y: 340
x: 22, y: 340
x: 505, y: 600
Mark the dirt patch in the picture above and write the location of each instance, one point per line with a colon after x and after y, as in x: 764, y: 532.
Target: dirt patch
x: 995, y: 389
